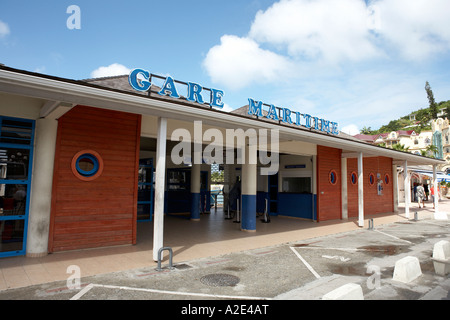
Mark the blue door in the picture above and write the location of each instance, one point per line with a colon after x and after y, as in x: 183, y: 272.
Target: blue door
x: 16, y: 160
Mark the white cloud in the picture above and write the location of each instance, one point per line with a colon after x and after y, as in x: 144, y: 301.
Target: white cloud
x: 237, y: 62
x: 304, y: 38
x: 325, y: 30
x: 114, y: 69
x: 4, y: 29
x: 351, y: 129
x: 227, y: 108
x: 415, y: 29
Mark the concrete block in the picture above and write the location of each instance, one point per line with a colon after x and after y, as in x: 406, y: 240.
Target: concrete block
x: 441, y: 257
x: 350, y: 291
x: 407, y: 269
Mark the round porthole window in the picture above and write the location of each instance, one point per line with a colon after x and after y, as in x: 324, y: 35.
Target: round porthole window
x: 386, y: 178
x: 332, y: 177
x: 87, y: 165
x: 371, y: 179
x: 354, y: 178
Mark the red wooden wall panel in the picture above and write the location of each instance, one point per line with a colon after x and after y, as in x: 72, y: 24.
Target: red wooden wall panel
x: 373, y: 203
x: 328, y: 195
x: 102, y: 212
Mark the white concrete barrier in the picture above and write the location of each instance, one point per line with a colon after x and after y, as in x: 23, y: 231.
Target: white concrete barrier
x: 441, y: 257
x: 350, y: 291
x: 407, y: 269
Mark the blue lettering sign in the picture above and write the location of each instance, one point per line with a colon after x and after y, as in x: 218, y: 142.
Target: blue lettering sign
x: 139, y: 79
x: 308, y: 120
x: 325, y: 125
x: 255, y: 108
x: 334, y: 128
x: 298, y: 116
x: 316, y: 123
x: 216, y: 98
x: 169, y: 88
x: 287, y: 116
x: 139, y: 84
x: 272, y: 113
x: 194, y: 93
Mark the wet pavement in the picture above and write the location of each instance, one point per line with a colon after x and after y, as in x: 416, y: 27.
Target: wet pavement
x: 304, y: 270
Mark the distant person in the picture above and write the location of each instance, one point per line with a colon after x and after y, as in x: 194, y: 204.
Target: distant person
x: 432, y: 194
x: 235, y: 193
x: 420, y: 193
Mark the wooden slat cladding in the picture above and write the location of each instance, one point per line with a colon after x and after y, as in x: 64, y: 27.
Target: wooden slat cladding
x: 102, y: 212
x: 328, y: 194
x: 373, y: 202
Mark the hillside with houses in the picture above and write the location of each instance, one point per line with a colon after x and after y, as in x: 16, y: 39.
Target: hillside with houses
x: 424, y: 132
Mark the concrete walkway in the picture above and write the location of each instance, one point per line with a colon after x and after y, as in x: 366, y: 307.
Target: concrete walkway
x: 212, y: 236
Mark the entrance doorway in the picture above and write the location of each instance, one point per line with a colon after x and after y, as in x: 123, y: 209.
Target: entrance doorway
x: 16, y: 158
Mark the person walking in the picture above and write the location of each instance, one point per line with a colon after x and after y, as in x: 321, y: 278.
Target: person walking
x: 420, y: 192
x: 432, y: 194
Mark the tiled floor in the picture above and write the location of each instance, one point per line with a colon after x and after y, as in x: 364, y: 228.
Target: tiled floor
x: 211, y: 236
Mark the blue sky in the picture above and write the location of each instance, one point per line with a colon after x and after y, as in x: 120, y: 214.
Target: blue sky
x: 359, y: 63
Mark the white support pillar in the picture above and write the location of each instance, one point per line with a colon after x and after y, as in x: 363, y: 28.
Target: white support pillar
x: 160, y: 173
x: 360, y: 191
x: 41, y: 188
x: 407, y: 188
x: 436, y: 190
x: 395, y: 186
x: 344, y: 188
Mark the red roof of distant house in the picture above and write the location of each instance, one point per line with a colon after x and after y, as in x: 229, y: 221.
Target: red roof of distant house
x: 371, y: 138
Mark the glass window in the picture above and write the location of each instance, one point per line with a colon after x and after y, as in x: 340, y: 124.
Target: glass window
x: 354, y: 178
x: 144, y: 192
x: 297, y: 184
x: 371, y: 179
x: 87, y: 165
x: 14, y: 164
x: 332, y: 177
x: 13, y: 199
x: 11, y: 235
x: 16, y: 151
x: 16, y: 131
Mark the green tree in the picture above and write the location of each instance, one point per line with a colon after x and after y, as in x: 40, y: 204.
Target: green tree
x: 424, y: 117
x: 445, y: 105
x: 400, y: 147
x: 217, y: 177
x: 431, y: 150
x: 366, y: 130
x: 433, y: 105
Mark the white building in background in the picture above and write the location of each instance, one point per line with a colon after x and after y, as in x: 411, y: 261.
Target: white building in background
x: 441, y: 134
x: 413, y: 141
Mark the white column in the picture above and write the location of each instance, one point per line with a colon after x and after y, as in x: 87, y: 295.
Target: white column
x: 360, y: 191
x: 41, y: 187
x: 395, y: 187
x: 160, y: 173
x: 407, y: 188
x: 344, y: 188
x: 436, y: 190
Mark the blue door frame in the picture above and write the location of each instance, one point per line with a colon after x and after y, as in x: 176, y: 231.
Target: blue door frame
x: 145, y: 190
x: 18, y: 135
